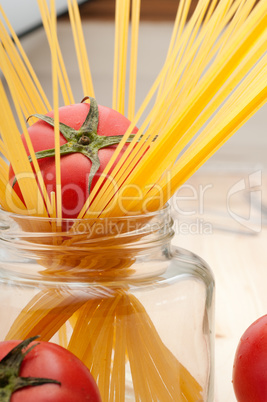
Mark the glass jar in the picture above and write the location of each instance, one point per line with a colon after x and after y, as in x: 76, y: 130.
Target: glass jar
x: 114, y: 291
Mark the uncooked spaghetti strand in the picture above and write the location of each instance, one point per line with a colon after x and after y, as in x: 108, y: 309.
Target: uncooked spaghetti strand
x: 197, y: 47
x: 106, y: 369
x: 187, y: 98
x: 63, y: 335
x: 137, y: 358
x: 205, y: 50
x: 102, y: 340
x: 101, y: 367
x: 117, y: 381
x: 148, y: 356
x: 232, y: 51
x: 231, y: 117
x: 142, y: 370
x: 164, y: 360
x: 180, y: 19
x: 88, y: 76
x: 120, y: 54
x: 55, y: 75
x: 116, y: 54
x: 4, y: 168
x: 3, y: 148
x: 136, y: 144
x: 133, y: 144
x: 139, y: 379
x: 179, y: 23
x: 3, y: 201
x: 160, y: 368
x: 95, y: 325
x: 243, y: 69
x: 18, y: 72
x: 22, y: 167
x: 9, y: 200
x: 175, y: 81
x: 206, y: 53
x: 181, y: 43
x: 80, y: 322
x: 63, y: 76
x: 138, y: 141
x: 238, y: 15
x: 184, y: 41
x: 187, y: 169
x: 103, y: 354
x: 123, y: 56
x: 4, y: 172
x: 81, y: 52
x: 43, y: 99
x: 204, y: 94
x: 90, y: 322
x: 9, y: 57
x: 246, y: 96
x: 46, y: 313
x: 133, y: 57
x: 55, y: 225
x: 111, y: 192
x: 250, y: 94
x: 78, y: 52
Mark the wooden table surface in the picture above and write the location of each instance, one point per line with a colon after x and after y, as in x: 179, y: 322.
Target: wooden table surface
x: 219, y: 217
x: 232, y: 239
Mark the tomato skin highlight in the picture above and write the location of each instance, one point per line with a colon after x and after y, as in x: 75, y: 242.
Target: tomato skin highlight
x: 250, y: 364
x: 75, y: 167
x: 49, y: 360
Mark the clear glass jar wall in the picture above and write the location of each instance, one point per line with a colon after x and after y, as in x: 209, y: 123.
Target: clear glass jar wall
x: 136, y: 310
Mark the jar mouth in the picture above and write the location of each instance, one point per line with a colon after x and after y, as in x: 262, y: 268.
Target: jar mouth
x: 97, y: 249
x: 4, y: 214
x: 45, y: 230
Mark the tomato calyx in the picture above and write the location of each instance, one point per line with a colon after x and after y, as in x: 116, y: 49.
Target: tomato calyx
x: 85, y: 140
x: 10, y: 381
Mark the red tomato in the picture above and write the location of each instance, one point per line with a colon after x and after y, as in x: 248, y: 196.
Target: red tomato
x: 250, y: 364
x: 75, y: 167
x: 48, y: 360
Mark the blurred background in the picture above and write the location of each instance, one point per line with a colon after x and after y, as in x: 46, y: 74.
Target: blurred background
x: 235, y: 245
x: 246, y: 151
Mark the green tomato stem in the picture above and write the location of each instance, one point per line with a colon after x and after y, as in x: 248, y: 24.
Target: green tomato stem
x: 10, y: 380
x: 85, y: 140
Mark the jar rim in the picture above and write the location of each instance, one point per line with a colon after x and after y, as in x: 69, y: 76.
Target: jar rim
x: 99, y: 252
x: 40, y: 229
x: 164, y: 209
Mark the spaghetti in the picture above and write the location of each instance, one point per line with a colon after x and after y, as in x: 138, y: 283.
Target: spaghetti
x: 212, y: 81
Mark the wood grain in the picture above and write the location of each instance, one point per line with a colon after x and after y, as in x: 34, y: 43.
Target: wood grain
x: 151, y: 10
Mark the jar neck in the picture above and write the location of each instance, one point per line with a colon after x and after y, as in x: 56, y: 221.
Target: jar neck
x: 102, y: 248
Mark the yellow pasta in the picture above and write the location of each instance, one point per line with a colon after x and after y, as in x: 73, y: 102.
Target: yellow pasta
x: 55, y: 74
x: 244, y: 45
x: 23, y: 68
x: 212, y: 81
x: 63, y: 77
x: 133, y: 57
x: 81, y: 52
